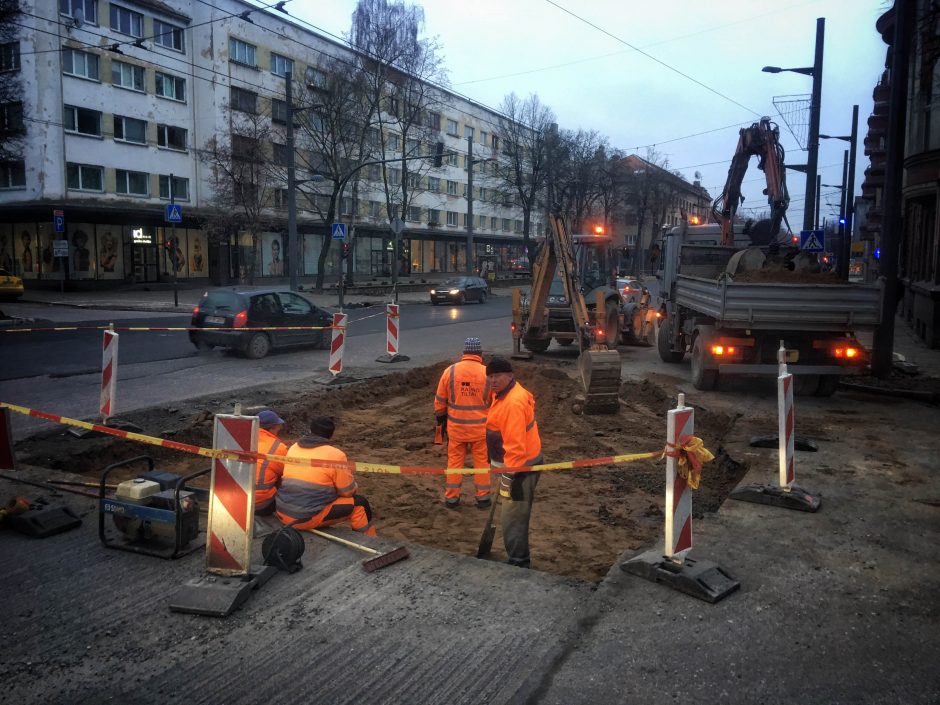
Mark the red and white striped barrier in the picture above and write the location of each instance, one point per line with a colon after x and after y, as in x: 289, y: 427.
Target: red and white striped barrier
x: 232, y: 498
x: 338, y: 343
x: 391, y: 329
x: 680, y: 427
x: 785, y: 423
x: 109, y: 367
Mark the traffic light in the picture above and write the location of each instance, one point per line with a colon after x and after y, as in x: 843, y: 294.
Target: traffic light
x: 344, y: 252
x: 439, y: 154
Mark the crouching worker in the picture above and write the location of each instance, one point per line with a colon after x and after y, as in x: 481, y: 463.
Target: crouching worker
x: 312, y: 496
x: 268, y: 472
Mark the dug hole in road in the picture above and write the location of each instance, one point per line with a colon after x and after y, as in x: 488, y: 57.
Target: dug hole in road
x: 582, y: 520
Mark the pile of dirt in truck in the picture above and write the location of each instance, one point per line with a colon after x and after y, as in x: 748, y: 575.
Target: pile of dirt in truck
x: 581, y: 522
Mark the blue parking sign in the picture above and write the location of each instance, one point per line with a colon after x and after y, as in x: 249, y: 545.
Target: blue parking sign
x: 58, y: 220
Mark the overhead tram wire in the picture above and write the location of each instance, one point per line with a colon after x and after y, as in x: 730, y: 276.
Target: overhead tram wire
x: 653, y: 58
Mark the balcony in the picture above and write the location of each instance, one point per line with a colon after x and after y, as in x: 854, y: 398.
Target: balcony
x: 878, y: 123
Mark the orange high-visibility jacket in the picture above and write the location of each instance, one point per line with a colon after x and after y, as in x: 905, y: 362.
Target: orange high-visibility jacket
x: 307, y: 490
x: 462, y: 394
x: 268, y: 472
x: 512, y: 435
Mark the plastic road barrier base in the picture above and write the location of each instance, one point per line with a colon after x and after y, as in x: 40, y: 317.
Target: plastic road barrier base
x: 700, y: 579
x: 110, y: 423
x: 385, y: 357
x: 218, y: 596
x: 796, y: 498
x: 42, y: 523
x: 773, y: 441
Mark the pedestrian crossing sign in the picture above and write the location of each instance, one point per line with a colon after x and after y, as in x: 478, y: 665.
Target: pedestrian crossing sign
x: 174, y: 213
x: 339, y: 231
x: 813, y: 240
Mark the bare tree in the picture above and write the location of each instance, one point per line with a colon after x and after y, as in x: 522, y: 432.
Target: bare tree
x: 12, y: 128
x: 577, y: 172
x: 525, y: 126
x: 612, y: 179
x: 651, y: 190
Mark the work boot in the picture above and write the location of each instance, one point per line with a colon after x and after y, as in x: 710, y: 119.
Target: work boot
x: 452, y: 502
x: 484, y: 503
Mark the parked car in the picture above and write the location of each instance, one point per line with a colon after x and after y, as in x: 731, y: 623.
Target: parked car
x: 459, y: 290
x: 630, y: 289
x: 520, y: 266
x: 11, y: 286
x: 271, y: 308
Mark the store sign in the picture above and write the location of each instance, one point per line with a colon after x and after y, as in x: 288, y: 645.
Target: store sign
x: 139, y: 237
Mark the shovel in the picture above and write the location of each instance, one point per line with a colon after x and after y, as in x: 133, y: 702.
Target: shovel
x: 489, y: 531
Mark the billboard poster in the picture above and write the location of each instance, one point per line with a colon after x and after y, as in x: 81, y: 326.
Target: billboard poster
x: 198, y: 253
x: 110, y: 252
x: 81, y: 245
x: 27, y: 250
x: 272, y: 255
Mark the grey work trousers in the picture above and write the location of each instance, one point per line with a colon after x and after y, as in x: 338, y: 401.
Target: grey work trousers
x: 516, y: 510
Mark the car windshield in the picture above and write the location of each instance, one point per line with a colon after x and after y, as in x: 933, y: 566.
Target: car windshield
x: 220, y: 299
x: 454, y: 283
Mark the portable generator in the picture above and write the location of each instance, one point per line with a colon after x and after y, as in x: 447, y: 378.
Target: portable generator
x: 154, y: 513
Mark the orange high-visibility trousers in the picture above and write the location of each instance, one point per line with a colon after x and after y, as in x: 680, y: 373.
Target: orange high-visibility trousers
x: 355, y: 510
x: 456, y: 457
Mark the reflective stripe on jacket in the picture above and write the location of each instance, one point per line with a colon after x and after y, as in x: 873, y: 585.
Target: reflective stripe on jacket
x: 462, y: 394
x: 267, y: 472
x: 306, y: 489
x: 512, y: 435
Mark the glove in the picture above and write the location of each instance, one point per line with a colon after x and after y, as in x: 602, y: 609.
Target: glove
x: 441, y: 420
x: 515, y: 486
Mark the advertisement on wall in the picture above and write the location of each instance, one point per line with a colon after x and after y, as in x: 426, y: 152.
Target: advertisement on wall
x: 51, y: 267
x: 198, y: 253
x: 26, y: 250
x: 7, y: 261
x: 174, y: 260
x: 110, y: 252
x: 272, y: 255
x: 81, y: 245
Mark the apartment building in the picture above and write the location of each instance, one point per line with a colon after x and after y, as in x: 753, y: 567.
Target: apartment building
x: 119, y: 102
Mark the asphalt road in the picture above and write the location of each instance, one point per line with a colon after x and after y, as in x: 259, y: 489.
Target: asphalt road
x: 69, y: 353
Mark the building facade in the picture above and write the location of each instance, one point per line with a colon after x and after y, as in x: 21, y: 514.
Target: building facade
x: 120, y: 101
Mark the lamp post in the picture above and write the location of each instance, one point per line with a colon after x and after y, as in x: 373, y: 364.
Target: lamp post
x: 812, y: 148
x: 471, y: 162
x: 849, y: 213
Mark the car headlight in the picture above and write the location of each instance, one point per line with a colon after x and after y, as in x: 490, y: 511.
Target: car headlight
x: 454, y: 291
x: 433, y: 292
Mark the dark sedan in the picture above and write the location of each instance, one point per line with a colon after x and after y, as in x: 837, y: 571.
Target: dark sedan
x: 459, y: 290
x: 222, y: 309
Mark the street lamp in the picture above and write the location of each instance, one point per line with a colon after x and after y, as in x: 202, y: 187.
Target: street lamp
x: 812, y: 148
x: 849, y: 194
x: 471, y: 162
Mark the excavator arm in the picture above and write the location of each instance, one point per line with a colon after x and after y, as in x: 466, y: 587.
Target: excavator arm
x: 762, y: 139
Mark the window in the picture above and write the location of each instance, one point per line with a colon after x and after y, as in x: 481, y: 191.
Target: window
x: 281, y: 65
x: 171, y: 87
x: 84, y: 177
x: 280, y: 198
x: 414, y: 180
x: 10, y: 56
x: 11, y: 118
x: 507, y: 224
x: 127, y: 21
x: 517, y: 226
x: 495, y: 142
x: 279, y: 111
x: 482, y: 193
x: 494, y: 223
x: 434, y: 184
x: 394, y: 176
x: 279, y: 153
x: 375, y: 209
x: 452, y: 158
x: 171, y: 137
x: 130, y: 129
x: 413, y: 148
x: 246, y: 101
x: 80, y: 63
x: 167, y: 35
x: 452, y: 218
x: 451, y: 188
x: 483, y: 138
x: 315, y: 78
x: 481, y: 222
x: 452, y: 127
x: 414, y: 214
x: 180, y: 188
x: 132, y: 183
x: 375, y: 172
x: 12, y: 175
x: 241, y: 52
x: 394, y: 142
x: 465, y: 190
x: 434, y: 121
x: 434, y: 216
x: 347, y: 205
x: 468, y: 131
x: 127, y: 75
x: 82, y: 121
x: 87, y: 10
x: 244, y: 147
x: 391, y: 106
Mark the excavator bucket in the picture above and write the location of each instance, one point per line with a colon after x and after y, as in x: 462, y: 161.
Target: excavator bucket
x: 600, y: 376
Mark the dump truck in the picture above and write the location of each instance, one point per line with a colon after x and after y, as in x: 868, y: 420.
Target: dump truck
x: 732, y: 325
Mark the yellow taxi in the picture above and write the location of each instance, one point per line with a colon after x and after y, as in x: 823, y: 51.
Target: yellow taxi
x: 11, y: 286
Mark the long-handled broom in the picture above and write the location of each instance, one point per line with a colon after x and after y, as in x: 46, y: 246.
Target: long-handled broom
x: 373, y: 564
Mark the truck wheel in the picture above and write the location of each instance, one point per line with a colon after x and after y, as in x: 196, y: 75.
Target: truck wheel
x: 702, y: 378
x: 805, y: 385
x: 537, y: 345
x: 827, y: 385
x: 666, y: 353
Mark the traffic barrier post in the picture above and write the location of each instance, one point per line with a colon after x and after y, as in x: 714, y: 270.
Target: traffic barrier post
x: 392, y: 330
x: 109, y: 367
x: 7, y: 456
x: 786, y: 494
x: 672, y: 565
x: 230, y: 577
x: 338, y: 343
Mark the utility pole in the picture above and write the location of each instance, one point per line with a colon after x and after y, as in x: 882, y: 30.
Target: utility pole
x: 816, y: 219
x: 176, y: 266
x: 812, y: 155
x: 293, y: 244
x: 850, y: 191
x: 883, y: 344
x: 843, y: 253
x: 470, y: 205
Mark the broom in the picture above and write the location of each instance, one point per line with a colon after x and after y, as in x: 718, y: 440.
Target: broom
x: 373, y: 564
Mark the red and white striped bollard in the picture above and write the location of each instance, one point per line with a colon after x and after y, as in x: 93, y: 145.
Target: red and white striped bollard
x: 338, y: 343
x: 109, y: 367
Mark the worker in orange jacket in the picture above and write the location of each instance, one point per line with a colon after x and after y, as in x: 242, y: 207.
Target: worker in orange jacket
x: 512, y: 439
x: 268, y: 472
x: 312, y: 496
x: 460, y: 408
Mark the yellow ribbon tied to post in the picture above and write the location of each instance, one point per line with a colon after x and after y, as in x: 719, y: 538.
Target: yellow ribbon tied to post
x: 690, y: 455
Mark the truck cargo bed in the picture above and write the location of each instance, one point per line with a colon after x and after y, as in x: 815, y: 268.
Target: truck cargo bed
x: 782, y: 306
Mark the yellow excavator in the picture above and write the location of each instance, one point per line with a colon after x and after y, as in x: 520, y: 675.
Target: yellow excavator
x: 582, y: 266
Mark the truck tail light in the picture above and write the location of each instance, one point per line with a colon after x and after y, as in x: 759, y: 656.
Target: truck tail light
x: 851, y: 352
x: 241, y: 319
x: 718, y: 350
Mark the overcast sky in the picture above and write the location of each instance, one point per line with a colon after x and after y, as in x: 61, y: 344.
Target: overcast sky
x: 596, y: 81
